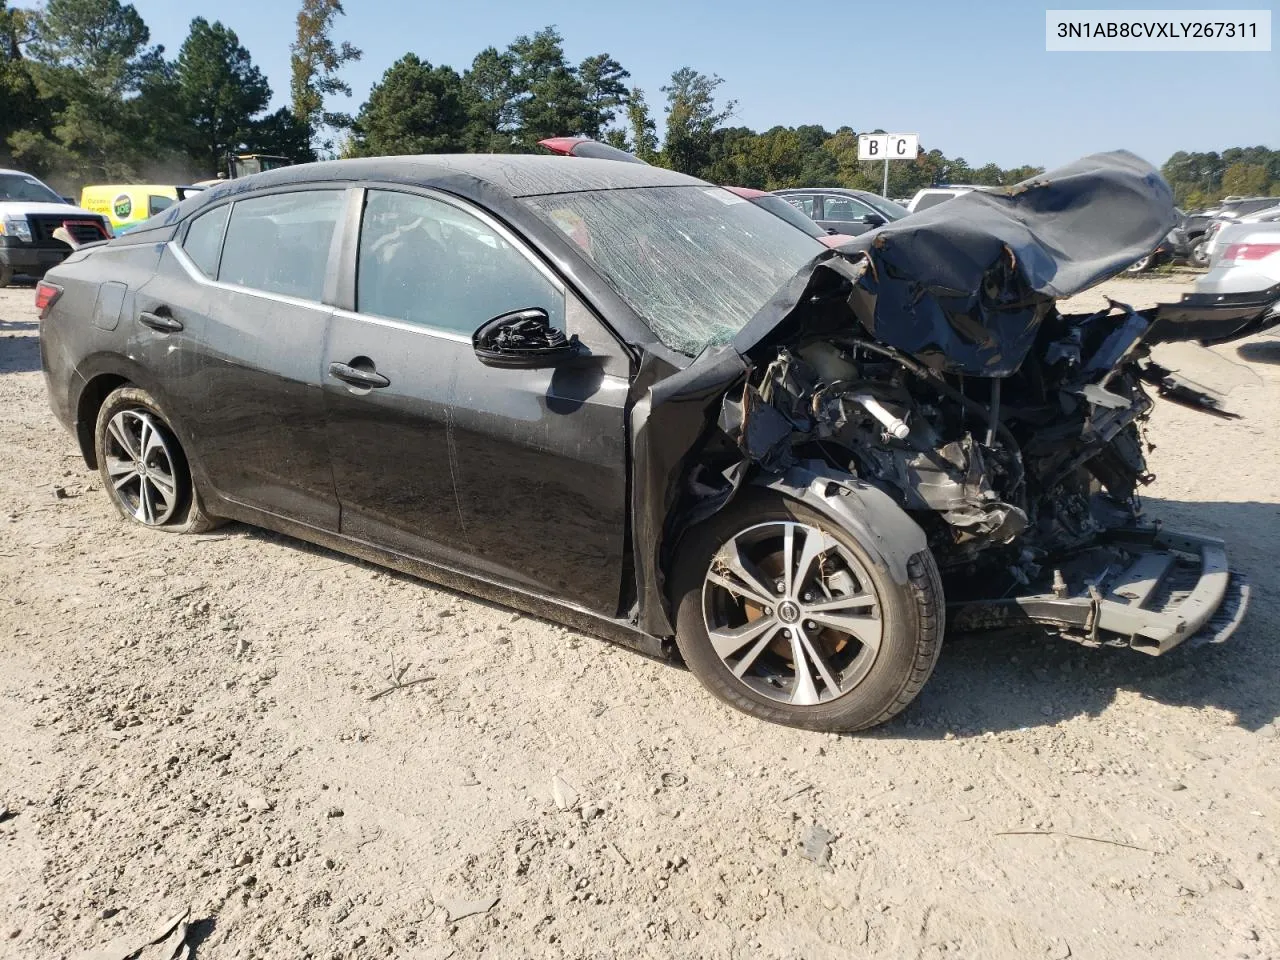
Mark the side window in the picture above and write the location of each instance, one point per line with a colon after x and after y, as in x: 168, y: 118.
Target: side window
x: 280, y: 243
x: 843, y: 208
x: 427, y: 262
x: 204, y: 239
x: 803, y: 203
x: 155, y: 204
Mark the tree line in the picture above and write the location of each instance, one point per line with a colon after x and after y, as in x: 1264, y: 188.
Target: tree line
x: 85, y: 97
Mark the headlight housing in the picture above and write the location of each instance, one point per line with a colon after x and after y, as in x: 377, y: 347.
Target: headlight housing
x: 17, y: 227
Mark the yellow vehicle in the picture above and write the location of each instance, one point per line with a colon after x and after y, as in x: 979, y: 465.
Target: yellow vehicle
x: 127, y: 204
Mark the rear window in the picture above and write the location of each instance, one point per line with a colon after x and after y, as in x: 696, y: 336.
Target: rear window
x: 280, y: 243
x: 932, y: 200
x: 204, y: 239
x: 788, y: 212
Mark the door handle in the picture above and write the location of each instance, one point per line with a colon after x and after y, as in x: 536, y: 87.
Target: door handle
x: 357, y: 377
x: 159, y: 321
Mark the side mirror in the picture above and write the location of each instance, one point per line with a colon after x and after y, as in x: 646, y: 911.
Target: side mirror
x: 70, y: 200
x: 832, y: 231
x: 873, y: 220
x: 526, y: 339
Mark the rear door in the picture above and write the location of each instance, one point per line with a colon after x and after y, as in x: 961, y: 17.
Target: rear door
x: 517, y: 476
x: 250, y: 393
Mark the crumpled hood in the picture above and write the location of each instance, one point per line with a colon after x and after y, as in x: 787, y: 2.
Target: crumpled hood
x: 964, y: 285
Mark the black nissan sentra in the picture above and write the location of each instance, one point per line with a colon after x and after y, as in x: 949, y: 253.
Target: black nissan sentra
x: 628, y: 400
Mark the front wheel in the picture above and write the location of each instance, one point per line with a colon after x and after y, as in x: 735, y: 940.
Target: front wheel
x: 1199, y: 255
x: 144, y: 469
x: 788, y: 617
x: 6, y: 275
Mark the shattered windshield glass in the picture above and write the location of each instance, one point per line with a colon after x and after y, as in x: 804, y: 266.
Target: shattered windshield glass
x: 695, y: 262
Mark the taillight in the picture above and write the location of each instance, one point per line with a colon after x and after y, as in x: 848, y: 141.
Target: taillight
x: 1250, y: 251
x: 47, y: 295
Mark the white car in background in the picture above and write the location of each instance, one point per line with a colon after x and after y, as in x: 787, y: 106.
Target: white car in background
x: 1217, y: 231
x: 1247, y: 264
x: 932, y: 196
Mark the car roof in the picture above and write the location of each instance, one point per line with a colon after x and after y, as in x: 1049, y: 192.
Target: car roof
x: 849, y: 191
x: 516, y: 175
x: 134, y: 186
x: 748, y: 193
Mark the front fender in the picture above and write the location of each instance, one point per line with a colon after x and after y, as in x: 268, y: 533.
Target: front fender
x: 869, y: 513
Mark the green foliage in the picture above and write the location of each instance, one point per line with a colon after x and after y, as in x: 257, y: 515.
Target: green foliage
x: 220, y: 90
x: 315, y: 61
x: 692, y: 120
x: 415, y: 108
x: 604, y: 91
x: 643, y: 131
x: 1200, y: 179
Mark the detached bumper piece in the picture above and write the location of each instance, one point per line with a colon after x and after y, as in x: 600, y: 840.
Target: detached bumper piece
x: 1215, y: 317
x: 1151, y: 590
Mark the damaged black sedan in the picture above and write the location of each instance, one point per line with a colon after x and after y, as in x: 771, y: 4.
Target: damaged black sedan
x: 635, y: 403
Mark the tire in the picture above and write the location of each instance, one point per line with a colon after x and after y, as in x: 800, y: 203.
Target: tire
x: 162, y: 495
x: 1199, y: 255
x: 6, y: 275
x: 866, y: 692
x: 1140, y: 266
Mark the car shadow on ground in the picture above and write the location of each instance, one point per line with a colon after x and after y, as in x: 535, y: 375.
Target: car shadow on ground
x: 1010, y: 682
x: 999, y: 683
x: 1260, y: 351
x: 19, y: 354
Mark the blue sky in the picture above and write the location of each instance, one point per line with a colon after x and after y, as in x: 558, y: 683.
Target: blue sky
x: 973, y: 79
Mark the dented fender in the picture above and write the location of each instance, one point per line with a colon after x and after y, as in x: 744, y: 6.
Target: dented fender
x: 866, y: 511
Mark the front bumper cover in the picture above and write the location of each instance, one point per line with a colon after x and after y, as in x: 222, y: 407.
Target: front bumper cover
x: 1169, y: 588
x: 32, y: 260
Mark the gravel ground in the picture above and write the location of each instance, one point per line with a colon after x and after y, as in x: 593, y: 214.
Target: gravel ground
x: 188, y: 722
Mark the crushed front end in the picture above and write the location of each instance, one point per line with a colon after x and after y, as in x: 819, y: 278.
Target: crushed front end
x: 931, y: 362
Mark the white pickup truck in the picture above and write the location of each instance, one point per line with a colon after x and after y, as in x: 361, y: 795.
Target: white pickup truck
x: 30, y: 212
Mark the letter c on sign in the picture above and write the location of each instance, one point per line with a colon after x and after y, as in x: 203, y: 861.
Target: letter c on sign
x: 902, y: 146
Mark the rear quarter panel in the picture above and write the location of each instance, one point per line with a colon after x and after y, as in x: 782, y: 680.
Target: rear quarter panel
x: 86, y: 331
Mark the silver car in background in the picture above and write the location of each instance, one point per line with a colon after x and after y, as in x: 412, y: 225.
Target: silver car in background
x: 1217, y: 233
x: 1247, y: 266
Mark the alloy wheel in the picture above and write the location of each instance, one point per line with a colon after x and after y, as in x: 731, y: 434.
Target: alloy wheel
x: 792, y: 613
x: 140, y: 464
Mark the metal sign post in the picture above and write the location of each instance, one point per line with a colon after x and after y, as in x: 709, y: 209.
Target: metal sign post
x: 886, y: 147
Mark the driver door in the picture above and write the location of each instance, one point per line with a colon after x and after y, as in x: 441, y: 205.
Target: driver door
x: 513, y: 475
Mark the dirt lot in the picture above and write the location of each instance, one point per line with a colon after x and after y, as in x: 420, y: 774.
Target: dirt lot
x: 188, y: 722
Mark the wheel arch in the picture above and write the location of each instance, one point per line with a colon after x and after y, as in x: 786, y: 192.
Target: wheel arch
x: 101, y: 375
x: 866, y: 511
x: 875, y: 518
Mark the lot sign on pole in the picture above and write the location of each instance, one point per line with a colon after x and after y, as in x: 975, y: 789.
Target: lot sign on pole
x: 886, y: 147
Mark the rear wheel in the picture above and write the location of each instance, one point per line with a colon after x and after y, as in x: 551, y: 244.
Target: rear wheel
x: 144, y: 469
x: 789, y: 617
x: 1199, y: 255
x: 1139, y: 266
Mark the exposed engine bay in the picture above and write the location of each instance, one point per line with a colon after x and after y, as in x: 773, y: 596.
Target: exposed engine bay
x: 929, y: 361
x: 1017, y: 481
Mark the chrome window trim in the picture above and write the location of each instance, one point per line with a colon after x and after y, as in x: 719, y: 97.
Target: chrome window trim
x: 391, y: 322
x: 434, y: 333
